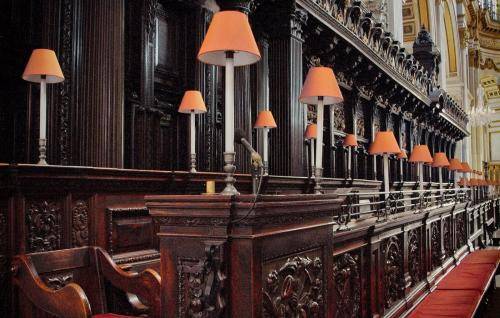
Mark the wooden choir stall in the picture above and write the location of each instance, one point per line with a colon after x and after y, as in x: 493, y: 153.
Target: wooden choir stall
x: 240, y: 159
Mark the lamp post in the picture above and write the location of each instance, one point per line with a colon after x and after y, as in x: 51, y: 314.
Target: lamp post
x: 43, y: 68
x: 192, y: 103
x: 265, y: 121
x: 310, y: 134
x: 440, y: 160
x: 454, y: 167
x: 320, y: 88
x: 350, y: 141
x: 421, y: 155
x: 229, y: 42
x: 385, y: 144
x: 401, y: 157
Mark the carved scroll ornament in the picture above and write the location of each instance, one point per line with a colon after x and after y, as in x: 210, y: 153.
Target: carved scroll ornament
x: 295, y: 289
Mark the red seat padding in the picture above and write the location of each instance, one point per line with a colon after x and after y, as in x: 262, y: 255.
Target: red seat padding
x: 111, y: 316
x: 448, y: 303
x: 483, y: 257
x: 468, y: 276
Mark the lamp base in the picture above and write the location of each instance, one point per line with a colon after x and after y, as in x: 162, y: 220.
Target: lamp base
x: 265, y: 168
x: 229, y: 169
x: 42, y: 147
x: 318, y: 173
x: 193, y: 163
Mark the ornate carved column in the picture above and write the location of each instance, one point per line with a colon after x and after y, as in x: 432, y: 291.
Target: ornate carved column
x: 285, y: 82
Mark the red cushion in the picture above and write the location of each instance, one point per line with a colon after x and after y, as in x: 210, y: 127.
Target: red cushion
x: 468, y: 276
x: 111, y: 316
x: 483, y: 257
x: 448, y: 303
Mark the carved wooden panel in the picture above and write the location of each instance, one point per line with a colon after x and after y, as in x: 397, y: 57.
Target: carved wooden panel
x: 339, y: 118
x: 43, y: 224
x: 460, y: 229
x: 201, y: 284
x: 129, y: 229
x: 393, y: 277
x: 80, y: 223
x: 447, y: 237
x: 435, y: 244
x: 4, y: 262
x: 347, y: 277
x: 415, y: 264
x: 293, y: 286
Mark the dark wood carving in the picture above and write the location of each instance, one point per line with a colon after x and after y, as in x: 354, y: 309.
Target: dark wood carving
x: 80, y: 225
x: 394, y: 284
x: 58, y: 280
x: 43, y: 220
x: 202, y: 285
x: 415, y: 256
x: 447, y: 237
x: 460, y: 229
x: 294, y: 289
x: 435, y: 244
x: 347, y: 276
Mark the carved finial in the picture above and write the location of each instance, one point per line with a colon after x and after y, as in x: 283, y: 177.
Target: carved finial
x: 423, y: 37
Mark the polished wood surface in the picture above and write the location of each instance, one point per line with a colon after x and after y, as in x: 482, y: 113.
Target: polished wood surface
x: 288, y: 257
x: 72, y: 283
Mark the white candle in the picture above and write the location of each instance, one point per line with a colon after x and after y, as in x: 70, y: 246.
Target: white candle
x: 265, y: 144
x: 43, y: 108
x: 229, y: 109
x: 440, y: 170
x: 421, y: 175
x: 386, y: 175
x: 192, y: 133
x: 319, y: 140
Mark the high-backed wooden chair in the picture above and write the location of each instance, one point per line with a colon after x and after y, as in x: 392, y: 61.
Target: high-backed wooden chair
x: 72, y: 283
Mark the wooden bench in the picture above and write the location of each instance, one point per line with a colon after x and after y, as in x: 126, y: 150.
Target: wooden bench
x: 460, y: 292
x: 72, y: 283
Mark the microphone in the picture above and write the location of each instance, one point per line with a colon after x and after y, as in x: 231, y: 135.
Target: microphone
x: 240, y: 138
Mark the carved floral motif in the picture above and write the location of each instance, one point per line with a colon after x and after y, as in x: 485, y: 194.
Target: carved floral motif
x: 414, y: 256
x: 461, y: 231
x: 295, y: 289
x: 447, y: 237
x: 435, y: 244
x: 346, y: 271
x: 201, y: 285
x: 43, y: 223
x: 339, y: 118
x: 80, y: 235
x: 393, y: 271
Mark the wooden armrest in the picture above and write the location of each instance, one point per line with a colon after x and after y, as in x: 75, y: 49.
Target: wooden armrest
x: 146, y: 284
x: 67, y: 302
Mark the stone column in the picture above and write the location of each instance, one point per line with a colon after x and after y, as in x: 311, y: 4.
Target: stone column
x: 441, y: 43
x: 395, y: 18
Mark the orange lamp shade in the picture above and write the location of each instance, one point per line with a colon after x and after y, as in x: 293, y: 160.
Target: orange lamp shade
x: 350, y: 141
x: 402, y: 154
x: 320, y: 82
x: 463, y: 182
x: 455, y: 165
x: 192, y: 102
x: 229, y: 31
x: 440, y: 160
x: 43, y: 62
x: 472, y: 182
x: 421, y: 153
x: 265, y: 119
x: 465, y: 167
x: 311, y: 131
x: 384, y: 143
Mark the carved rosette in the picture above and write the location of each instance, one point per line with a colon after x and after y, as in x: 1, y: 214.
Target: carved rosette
x: 394, y: 283
x: 414, y: 256
x: 201, y: 285
x: 346, y: 271
x: 294, y: 288
x: 435, y: 244
x: 43, y: 221
x: 80, y: 219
